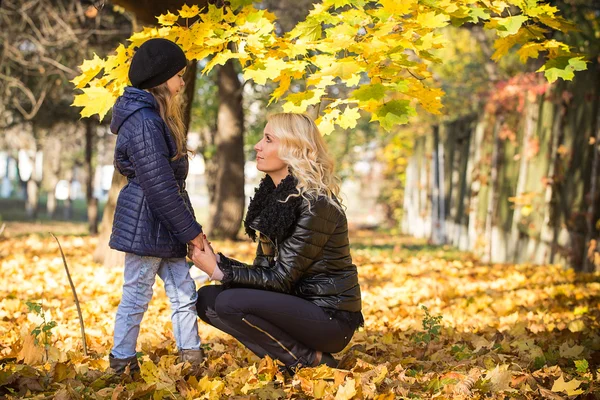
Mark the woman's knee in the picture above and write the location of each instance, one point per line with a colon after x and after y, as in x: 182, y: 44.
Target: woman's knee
x: 206, y: 299
x: 227, y: 303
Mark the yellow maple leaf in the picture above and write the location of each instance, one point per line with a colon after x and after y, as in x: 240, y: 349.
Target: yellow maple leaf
x: 347, y: 390
x: 95, y: 100
x: 396, y: 7
x: 220, y: 59
x: 343, y: 68
x: 298, y: 102
x: 432, y: 20
x: 349, y: 118
x: 529, y: 50
x: 167, y: 19
x: 189, y: 12
x: 570, y: 388
x: 326, y: 121
x: 268, y: 69
x: 89, y: 70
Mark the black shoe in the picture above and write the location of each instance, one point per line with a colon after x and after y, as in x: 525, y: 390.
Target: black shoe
x: 327, y: 359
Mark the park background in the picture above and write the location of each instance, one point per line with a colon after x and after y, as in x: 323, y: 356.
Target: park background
x: 487, y: 214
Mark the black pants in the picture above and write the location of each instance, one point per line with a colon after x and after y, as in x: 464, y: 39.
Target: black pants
x: 283, y: 326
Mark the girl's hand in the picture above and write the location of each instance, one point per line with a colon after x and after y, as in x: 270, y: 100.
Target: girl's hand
x: 198, y: 241
x: 204, y: 258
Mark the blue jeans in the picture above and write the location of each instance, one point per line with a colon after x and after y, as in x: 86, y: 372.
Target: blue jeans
x: 140, y: 274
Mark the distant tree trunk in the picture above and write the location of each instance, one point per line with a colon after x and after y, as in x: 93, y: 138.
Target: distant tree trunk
x: 32, y: 186
x: 68, y: 204
x: 103, y: 254
x: 92, y: 202
x: 550, y: 226
x: 438, y: 201
x: 225, y: 177
x: 589, y: 248
x: 532, y: 109
x: 489, y: 219
x: 32, y: 198
x: 474, y: 176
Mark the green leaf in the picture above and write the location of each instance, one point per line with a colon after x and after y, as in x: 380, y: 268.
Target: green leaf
x: 235, y: 4
x: 375, y: 91
x: 478, y: 13
x: 395, y: 112
x: 582, y: 366
x: 310, y: 30
x: 562, y: 67
x: 34, y: 307
x: 509, y: 25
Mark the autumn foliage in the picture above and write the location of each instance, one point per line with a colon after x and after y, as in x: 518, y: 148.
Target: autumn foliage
x: 346, y: 56
x: 438, y: 324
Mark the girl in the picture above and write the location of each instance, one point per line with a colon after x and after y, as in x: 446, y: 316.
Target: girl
x: 300, y: 299
x: 154, y: 220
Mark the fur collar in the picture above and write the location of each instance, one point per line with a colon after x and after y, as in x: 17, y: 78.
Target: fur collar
x: 267, y: 211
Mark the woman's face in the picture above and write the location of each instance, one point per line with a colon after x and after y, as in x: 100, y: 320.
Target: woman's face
x: 267, y: 154
x: 176, y: 83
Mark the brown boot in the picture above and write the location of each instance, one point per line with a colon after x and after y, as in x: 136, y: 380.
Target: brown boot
x: 194, y: 357
x: 120, y: 364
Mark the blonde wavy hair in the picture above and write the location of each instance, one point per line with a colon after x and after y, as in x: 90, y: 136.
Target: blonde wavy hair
x: 305, y: 152
x: 170, y: 109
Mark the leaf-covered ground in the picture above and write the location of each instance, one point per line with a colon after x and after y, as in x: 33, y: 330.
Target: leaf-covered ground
x: 518, y: 331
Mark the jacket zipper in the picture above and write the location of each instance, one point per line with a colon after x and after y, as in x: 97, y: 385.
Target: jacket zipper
x: 271, y: 337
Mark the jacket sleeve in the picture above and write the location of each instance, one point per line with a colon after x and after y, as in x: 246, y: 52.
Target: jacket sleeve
x: 150, y: 157
x: 296, y: 253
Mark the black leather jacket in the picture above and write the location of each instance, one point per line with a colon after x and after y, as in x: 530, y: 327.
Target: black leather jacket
x: 301, y: 250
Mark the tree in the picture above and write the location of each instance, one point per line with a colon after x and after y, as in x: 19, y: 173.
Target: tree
x: 387, y: 43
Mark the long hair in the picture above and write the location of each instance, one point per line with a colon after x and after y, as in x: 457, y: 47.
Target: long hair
x: 170, y: 109
x: 303, y: 149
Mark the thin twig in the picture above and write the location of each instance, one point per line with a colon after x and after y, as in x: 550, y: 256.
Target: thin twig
x: 74, y: 295
x: 2, y: 228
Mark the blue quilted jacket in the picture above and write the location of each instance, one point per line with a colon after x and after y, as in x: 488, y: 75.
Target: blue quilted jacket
x: 154, y: 216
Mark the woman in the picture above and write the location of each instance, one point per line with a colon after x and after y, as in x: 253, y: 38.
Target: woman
x: 300, y: 300
x: 154, y: 220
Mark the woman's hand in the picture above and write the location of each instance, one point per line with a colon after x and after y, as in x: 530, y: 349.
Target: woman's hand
x: 204, y: 258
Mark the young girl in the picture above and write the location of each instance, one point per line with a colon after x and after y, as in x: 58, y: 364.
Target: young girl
x: 300, y: 299
x: 154, y: 221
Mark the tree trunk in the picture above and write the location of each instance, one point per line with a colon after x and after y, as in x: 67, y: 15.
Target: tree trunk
x: 489, y: 223
x: 68, y: 204
x: 51, y: 203
x: 31, y: 206
x: 103, y: 254
x: 532, y: 109
x: 32, y: 186
x: 225, y: 170
x: 550, y: 226
x: 92, y: 202
x: 52, y: 169
x: 475, y: 179
x: 435, y: 188
x: 589, y: 248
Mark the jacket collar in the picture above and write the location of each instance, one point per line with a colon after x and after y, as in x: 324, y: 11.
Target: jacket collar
x: 269, y: 213
x: 131, y: 101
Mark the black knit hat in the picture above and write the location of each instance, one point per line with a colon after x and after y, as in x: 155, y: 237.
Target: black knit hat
x: 155, y: 62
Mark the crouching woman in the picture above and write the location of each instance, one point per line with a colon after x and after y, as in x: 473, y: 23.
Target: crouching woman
x: 300, y: 300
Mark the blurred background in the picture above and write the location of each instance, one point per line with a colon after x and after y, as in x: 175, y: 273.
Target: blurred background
x: 510, y: 171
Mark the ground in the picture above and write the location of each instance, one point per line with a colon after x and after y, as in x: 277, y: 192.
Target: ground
x: 493, y: 331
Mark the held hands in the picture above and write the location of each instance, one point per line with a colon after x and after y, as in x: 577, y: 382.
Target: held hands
x: 198, y: 241
x: 203, y: 257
